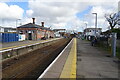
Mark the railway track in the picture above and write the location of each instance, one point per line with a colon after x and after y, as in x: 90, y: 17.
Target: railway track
x: 31, y: 65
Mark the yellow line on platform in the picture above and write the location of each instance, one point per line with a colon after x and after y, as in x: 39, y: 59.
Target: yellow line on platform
x: 23, y: 45
x: 69, y: 70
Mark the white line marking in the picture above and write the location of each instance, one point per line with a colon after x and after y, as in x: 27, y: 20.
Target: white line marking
x: 53, y: 62
x: 6, y: 50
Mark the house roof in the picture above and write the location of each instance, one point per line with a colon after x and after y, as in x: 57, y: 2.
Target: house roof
x: 93, y: 29
x: 59, y: 29
x: 31, y: 25
x: 45, y: 28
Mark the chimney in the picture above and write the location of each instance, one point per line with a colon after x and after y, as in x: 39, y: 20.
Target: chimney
x: 33, y: 20
x: 42, y: 24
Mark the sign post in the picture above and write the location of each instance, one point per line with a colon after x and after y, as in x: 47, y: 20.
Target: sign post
x: 114, y: 37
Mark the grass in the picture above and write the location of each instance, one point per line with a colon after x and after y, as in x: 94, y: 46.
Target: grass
x: 118, y: 52
x: 7, y: 56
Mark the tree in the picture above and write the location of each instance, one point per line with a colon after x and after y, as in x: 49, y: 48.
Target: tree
x: 113, y: 19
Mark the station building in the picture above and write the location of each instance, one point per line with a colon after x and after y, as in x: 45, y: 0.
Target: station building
x: 33, y: 31
x: 92, y: 31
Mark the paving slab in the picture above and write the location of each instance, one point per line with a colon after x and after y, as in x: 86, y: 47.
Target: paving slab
x: 93, y: 63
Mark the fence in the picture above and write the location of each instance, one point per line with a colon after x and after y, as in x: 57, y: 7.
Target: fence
x: 8, y: 37
x: 106, y: 44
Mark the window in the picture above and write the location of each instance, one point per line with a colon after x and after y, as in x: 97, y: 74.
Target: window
x: 21, y: 32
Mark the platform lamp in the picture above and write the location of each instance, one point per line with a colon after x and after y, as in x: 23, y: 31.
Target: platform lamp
x: 95, y: 22
x: 85, y: 24
x: 17, y: 21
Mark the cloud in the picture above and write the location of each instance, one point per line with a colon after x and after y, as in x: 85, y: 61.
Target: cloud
x: 29, y: 13
x: 10, y: 12
x: 56, y: 14
x: 73, y: 0
x: 62, y: 13
x: 52, y: 9
x: 101, y: 8
x: 101, y: 20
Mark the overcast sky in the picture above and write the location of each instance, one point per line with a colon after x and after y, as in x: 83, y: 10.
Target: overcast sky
x: 68, y: 14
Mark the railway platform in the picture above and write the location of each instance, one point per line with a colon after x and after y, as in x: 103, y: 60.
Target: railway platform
x: 10, y: 45
x: 80, y: 60
x: 64, y: 66
x: 13, y: 49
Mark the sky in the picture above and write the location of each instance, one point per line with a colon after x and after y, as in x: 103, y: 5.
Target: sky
x: 59, y: 14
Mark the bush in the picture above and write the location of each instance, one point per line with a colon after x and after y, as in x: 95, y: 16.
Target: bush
x: 118, y: 32
x: 118, y: 52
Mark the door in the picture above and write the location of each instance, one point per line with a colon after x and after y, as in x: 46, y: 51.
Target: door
x: 29, y: 36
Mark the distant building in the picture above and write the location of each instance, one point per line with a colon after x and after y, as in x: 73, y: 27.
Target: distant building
x: 59, y: 32
x: 1, y: 29
x: 7, y: 29
x: 33, y: 31
x: 92, y: 31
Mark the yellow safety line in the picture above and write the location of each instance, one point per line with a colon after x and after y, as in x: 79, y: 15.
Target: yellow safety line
x: 23, y: 45
x: 69, y: 70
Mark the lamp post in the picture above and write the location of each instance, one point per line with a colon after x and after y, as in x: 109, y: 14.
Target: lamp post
x: 86, y: 25
x: 95, y: 22
x: 17, y: 21
x: 86, y: 30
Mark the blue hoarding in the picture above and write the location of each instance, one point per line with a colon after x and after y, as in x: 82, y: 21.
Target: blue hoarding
x: 8, y: 37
